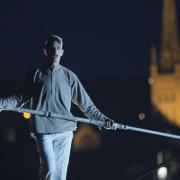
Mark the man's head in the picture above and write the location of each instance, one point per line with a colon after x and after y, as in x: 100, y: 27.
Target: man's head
x: 53, y: 48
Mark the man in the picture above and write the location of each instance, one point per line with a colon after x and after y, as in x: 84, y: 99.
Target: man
x: 52, y: 88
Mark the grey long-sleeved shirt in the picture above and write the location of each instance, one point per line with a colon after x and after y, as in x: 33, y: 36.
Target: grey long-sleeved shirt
x: 53, y: 90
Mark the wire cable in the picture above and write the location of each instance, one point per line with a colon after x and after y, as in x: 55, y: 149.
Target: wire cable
x: 154, y: 169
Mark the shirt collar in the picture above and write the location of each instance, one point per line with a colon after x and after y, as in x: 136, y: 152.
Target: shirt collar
x: 52, y: 68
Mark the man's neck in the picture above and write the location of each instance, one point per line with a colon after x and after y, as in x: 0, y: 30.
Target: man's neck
x: 54, y: 62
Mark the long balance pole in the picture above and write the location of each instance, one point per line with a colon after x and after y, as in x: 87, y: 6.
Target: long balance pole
x: 89, y: 121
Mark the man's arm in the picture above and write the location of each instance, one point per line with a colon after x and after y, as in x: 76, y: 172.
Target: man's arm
x: 85, y: 104
x: 22, y: 95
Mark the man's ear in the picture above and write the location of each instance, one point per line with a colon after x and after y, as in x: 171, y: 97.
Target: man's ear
x: 45, y: 52
x: 62, y: 52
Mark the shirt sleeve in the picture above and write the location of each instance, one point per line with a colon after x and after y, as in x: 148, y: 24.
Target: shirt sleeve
x: 22, y: 95
x: 84, y: 102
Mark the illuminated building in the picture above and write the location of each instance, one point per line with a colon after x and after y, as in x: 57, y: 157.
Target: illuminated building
x: 165, y: 68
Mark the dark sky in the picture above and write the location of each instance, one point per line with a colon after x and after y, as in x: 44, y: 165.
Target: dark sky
x: 101, y: 38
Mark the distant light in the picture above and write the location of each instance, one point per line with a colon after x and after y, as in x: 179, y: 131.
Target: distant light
x: 86, y: 138
x: 141, y: 116
x: 162, y: 173
x: 26, y: 115
x: 151, y: 81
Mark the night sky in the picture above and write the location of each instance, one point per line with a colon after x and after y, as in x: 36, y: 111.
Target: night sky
x: 101, y: 38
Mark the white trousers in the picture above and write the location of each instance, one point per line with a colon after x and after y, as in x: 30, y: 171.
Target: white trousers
x: 54, y: 151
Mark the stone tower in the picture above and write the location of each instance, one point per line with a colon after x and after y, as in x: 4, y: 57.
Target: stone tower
x: 165, y: 70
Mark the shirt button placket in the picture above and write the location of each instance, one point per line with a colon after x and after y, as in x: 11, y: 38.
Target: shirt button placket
x: 52, y: 82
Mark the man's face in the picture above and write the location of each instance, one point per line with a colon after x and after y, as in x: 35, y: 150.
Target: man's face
x: 54, y: 52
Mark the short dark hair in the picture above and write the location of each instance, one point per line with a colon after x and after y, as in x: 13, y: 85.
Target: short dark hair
x: 51, y: 38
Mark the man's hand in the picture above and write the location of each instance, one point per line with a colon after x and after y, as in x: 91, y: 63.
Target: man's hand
x: 2, y: 108
x: 109, y: 124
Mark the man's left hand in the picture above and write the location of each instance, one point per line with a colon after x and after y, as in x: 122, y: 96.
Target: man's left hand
x: 109, y: 124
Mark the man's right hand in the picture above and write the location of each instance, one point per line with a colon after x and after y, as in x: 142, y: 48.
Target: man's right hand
x: 2, y: 108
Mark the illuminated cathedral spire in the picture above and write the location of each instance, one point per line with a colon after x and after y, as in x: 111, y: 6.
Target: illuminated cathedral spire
x: 170, y: 41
